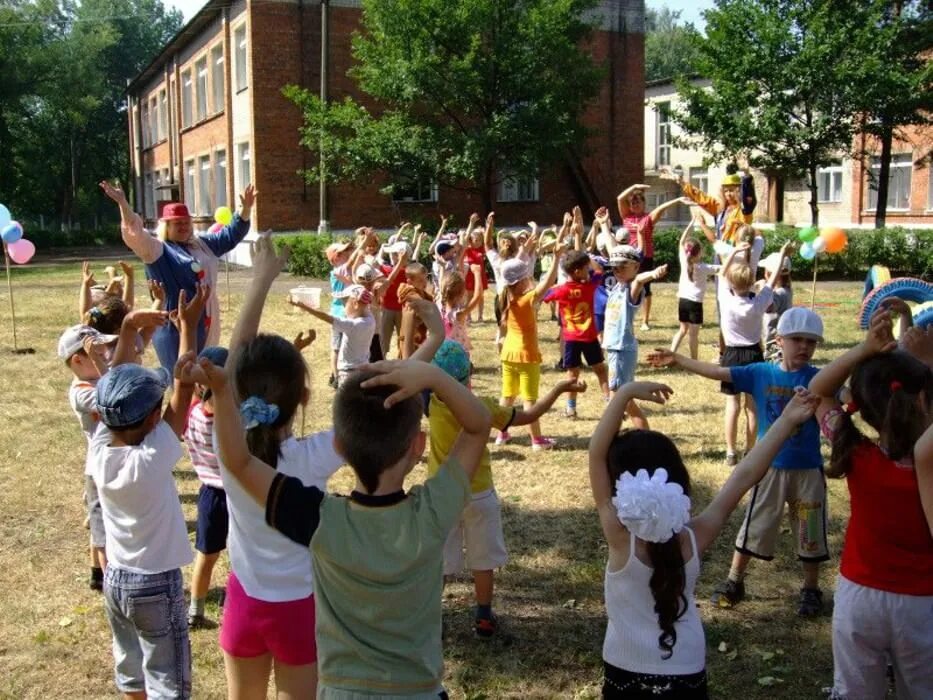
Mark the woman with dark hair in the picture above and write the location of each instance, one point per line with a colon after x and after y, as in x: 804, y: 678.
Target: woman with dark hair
x: 654, y: 645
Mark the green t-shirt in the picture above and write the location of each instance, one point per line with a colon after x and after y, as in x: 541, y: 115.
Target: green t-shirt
x: 377, y: 587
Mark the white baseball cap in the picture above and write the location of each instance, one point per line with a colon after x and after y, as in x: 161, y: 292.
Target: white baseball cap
x: 365, y: 273
x: 770, y: 262
x: 514, y: 270
x: 72, y: 340
x: 800, y: 321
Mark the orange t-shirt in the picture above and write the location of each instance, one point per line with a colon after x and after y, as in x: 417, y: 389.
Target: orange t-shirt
x: 521, y: 340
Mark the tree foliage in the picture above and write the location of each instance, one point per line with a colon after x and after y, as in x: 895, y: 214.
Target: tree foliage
x: 64, y: 67
x: 670, y: 46
x: 467, y: 93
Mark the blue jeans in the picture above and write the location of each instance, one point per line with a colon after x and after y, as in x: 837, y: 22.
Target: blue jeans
x: 622, y: 365
x: 148, y: 620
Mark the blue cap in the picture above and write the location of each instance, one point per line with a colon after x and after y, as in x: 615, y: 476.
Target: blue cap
x: 453, y: 359
x: 129, y: 392
x: 216, y: 354
x: 444, y: 247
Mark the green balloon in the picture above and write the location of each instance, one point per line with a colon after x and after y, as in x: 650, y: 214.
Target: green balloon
x: 808, y: 234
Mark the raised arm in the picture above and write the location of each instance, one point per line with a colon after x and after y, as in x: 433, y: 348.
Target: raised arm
x: 148, y: 248
x: 84, y: 293
x: 266, y: 267
x: 317, y: 313
x: 622, y: 199
x: 923, y: 463
x: 488, y: 238
x: 547, y: 282
x: 880, y: 338
x: 542, y: 405
x: 188, y: 317
x: 129, y: 285
x: 431, y: 317
x: 664, y: 206
x: 665, y: 358
x: 643, y: 278
x: 139, y: 321
x: 776, y: 272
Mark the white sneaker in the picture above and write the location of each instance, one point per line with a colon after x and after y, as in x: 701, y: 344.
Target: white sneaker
x: 543, y: 443
x: 645, y: 327
x: 502, y: 438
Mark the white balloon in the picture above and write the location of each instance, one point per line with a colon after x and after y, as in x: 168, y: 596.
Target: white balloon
x: 819, y: 244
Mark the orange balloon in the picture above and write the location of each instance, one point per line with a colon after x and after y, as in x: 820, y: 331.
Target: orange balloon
x: 835, y: 238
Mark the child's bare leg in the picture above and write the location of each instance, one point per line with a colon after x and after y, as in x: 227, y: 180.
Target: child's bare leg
x: 733, y: 405
x: 679, y: 336
x: 505, y: 401
x: 739, y: 567
x: 247, y: 678
x: 647, y: 320
x: 751, y: 426
x: 602, y: 376
x: 201, y: 582
x: 295, y: 682
x: 574, y: 374
x: 694, y: 340
x: 811, y: 574
x: 136, y: 695
x: 100, y: 556
x: 639, y: 422
x: 534, y: 429
x: 483, y: 585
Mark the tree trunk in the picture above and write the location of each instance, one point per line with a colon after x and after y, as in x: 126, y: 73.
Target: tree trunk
x: 487, y: 185
x: 887, y: 137
x: 814, y: 207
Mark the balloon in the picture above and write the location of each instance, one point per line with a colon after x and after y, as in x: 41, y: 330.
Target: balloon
x: 215, y: 228
x: 223, y: 216
x: 21, y: 252
x: 808, y: 234
x: 835, y: 239
x: 806, y: 251
x: 12, y: 232
x: 5, y: 217
x: 819, y: 244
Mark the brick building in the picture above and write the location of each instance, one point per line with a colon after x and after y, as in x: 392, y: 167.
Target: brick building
x: 207, y: 117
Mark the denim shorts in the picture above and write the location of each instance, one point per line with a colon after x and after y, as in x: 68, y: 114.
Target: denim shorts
x: 622, y: 365
x: 148, y: 620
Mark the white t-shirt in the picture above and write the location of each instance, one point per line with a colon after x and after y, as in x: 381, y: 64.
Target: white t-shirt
x: 740, y: 317
x: 694, y: 289
x: 270, y: 566
x: 357, y: 337
x: 145, y: 527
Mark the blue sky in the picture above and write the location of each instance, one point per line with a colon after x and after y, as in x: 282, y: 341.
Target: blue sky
x: 690, y: 9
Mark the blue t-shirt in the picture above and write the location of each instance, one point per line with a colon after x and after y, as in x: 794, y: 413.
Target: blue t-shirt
x: 337, y: 308
x: 772, y: 388
x: 602, y: 294
x: 620, y: 314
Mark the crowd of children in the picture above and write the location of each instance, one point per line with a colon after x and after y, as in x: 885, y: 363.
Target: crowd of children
x: 341, y: 597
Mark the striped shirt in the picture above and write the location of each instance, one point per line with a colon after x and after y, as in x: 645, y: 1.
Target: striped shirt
x: 199, y: 436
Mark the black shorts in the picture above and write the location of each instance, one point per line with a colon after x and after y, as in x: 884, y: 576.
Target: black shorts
x: 690, y: 311
x: 738, y: 357
x: 647, y: 264
x: 210, y: 534
x: 375, y: 349
x: 618, y: 684
x: 577, y: 350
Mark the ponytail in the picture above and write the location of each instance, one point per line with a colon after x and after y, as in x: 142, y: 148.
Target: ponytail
x: 690, y: 267
x: 668, y: 580
x: 846, y: 437
x: 263, y: 442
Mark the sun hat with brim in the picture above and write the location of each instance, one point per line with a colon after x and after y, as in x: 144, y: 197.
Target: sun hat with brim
x: 733, y: 180
x: 453, y: 359
x: 770, y: 262
x: 72, y: 340
x: 398, y: 248
x: 514, y: 271
x: 624, y: 254
x: 174, y: 211
x: 355, y: 291
x: 335, y: 249
x: 801, y: 322
x: 129, y: 392
x: 365, y: 273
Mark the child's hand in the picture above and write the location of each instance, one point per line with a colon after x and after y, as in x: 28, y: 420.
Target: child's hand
x: 896, y: 306
x: 302, y: 341
x: 87, y: 277
x: 660, y: 272
x: 295, y: 301
x: 201, y: 371
x: 140, y: 319
x: 568, y: 219
x: 157, y: 293
x: 661, y: 358
x: 178, y: 373
x: 654, y: 392
x: 127, y: 270
x: 802, y: 407
x: 602, y: 216
x: 577, y: 386
x: 410, y: 376
x: 94, y: 349
x: 267, y: 264
x: 248, y: 199
x: 919, y: 343
x: 880, y: 336
x: 190, y: 313
x: 115, y: 192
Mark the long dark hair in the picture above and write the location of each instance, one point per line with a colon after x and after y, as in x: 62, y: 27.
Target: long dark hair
x: 271, y: 368
x: 885, y: 389
x: 630, y: 451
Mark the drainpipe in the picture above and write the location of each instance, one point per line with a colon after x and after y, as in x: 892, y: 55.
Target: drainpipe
x: 324, y: 224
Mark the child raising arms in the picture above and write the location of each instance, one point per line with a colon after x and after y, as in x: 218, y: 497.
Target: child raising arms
x: 691, y: 288
x: 654, y: 645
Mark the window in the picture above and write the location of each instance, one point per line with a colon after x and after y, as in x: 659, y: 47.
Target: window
x: 154, y: 120
x: 654, y: 199
x: 217, y: 78
x: 699, y: 178
x: 663, y: 144
x: 220, y: 178
x: 239, y: 44
x: 898, y: 181
x: 414, y: 190
x: 163, y: 115
x: 149, y: 204
x: 189, y: 184
x: 204, y: 186
x: 200, y: 69
x: 518, y: 190
x: 243, y: 174
x: 186, y: 99
x: 829, y: 183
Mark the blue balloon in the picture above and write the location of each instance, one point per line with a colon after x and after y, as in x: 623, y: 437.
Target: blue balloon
x: 806, y: 251
x: 12, y: 232
x: 5, y: 217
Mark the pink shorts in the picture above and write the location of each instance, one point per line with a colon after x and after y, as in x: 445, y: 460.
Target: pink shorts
x: 252, y: 627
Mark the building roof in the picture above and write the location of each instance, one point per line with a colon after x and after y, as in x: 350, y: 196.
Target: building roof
x: 188, y: 32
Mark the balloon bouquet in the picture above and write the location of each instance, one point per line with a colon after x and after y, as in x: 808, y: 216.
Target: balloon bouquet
x: 223, y: 216
x: 814, y: 242
x: 20, y: 251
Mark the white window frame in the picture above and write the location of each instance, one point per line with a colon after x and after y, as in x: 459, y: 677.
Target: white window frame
x: 202, y: 87
x: 144, y: 122
x: 662, y: 148
x: 187, y: 99
x: 423, y: 190
x: 699, y: 178
x: 900, y: 162
x: 516, y: 189
x: 189, y: 178
x: 829, y: 184
x: 243, y: 175
x: 217, y: 78
x: 149, y: 186
x: 241, y: 73
x: 220, y: 177
x: 205, y: 175
x: 163, y: 115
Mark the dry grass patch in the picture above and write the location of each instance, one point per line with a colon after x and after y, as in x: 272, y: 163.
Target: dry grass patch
x: 54, y: 639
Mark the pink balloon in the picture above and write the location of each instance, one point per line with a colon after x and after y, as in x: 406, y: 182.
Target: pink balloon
x: 21, y: 251
x: 215, y: 228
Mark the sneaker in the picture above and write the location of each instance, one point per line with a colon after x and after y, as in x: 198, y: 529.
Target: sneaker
x: 810, y: 603
x: 645, y: 327
x: 728, y: 594
x: 731, y: 459
x: 503, y: 438
x: 542, y: 443
x: 570, y: 412
x: 486, y: 627
x: 197, y: 622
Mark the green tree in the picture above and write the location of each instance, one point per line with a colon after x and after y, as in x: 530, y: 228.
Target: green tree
x: 670, y: 47
x: 469, y: 93
x: 786, y: 75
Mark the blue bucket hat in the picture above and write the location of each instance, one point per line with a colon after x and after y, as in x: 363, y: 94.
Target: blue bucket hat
x: 216, y: 354
x: 129, y: 392
x: 453, y: 359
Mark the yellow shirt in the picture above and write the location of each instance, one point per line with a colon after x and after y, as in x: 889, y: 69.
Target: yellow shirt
x: 521, y: 338
x: 444, y: 429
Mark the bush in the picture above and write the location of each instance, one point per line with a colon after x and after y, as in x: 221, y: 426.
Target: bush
x: 44, y: 239
x: 907, y: 252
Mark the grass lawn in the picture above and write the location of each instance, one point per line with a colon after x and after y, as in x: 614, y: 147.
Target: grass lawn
x: 54, y: 638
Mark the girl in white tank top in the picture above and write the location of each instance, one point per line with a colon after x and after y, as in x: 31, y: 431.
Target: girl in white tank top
x: 654, y: 645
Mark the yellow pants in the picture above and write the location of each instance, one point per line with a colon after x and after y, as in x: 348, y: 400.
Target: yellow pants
x: 521, y: 379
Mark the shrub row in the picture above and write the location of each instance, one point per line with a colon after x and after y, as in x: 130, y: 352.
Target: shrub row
x: 44, y: 239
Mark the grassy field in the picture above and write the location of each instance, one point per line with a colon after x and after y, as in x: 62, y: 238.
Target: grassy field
x: 54, y: 639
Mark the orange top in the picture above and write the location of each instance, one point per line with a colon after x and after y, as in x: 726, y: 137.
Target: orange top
x: 730, y: 220
x: 521, y: 339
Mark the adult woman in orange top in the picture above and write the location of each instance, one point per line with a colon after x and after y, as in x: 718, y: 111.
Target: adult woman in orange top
x: 734, y: 207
